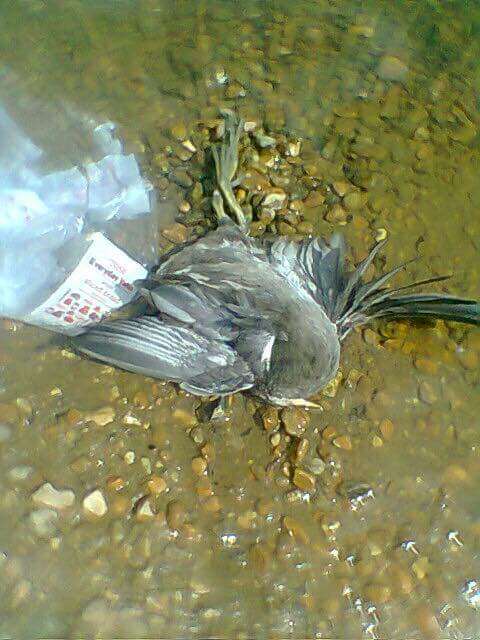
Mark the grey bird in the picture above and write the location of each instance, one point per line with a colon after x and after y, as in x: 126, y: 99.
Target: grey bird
x: 232, y: 313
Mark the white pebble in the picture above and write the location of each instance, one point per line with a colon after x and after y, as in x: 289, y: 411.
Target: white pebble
x: 55, y: 498
x: 95, y: 503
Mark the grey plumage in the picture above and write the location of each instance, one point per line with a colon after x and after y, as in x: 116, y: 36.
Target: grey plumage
x: 231, y: 313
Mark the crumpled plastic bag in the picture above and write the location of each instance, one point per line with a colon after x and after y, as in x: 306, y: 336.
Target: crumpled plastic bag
x: 45, y: 219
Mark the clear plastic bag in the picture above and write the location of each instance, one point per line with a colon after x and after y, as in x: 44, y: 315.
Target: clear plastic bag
x: 72, y: 242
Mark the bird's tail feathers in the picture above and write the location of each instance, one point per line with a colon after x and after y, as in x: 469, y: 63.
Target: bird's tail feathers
x: 349, y: 302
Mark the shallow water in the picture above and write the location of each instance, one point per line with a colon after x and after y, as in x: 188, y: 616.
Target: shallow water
x: 385, y: 541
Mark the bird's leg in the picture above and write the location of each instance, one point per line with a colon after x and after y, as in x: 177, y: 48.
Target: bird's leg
x: 226, y: 164
x: 217, y: 204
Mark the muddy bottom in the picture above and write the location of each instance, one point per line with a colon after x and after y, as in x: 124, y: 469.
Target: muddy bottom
x: 124, y: 510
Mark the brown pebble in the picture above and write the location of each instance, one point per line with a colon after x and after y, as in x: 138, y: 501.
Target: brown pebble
x: 302, y: 449
x: 341, y: 188
x: 208, y: 452
x: 343, y: 442
x: 116, y: 483
x: 100, y: 417
x: 199, y: 466
x: 295, y: 420
x: 270, y: 418
x: 204, y: 487
x: 304, y: 480
x: 336, y: 215
x: 156, y: 485
x: 329, y: 432
x: 386, y: 428
x: 314, y: 199
x: 176, y: 514
x: 177, y: 233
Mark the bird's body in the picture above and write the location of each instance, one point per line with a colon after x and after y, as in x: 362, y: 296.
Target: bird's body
x: 231, y: 313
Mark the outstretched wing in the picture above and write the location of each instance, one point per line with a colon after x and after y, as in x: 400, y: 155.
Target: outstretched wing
x: 151, y: 347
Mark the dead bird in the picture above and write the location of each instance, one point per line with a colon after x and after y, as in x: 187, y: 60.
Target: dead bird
x: 232, y: 313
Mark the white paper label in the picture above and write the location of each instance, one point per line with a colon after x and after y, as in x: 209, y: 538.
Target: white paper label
x: 101, y: 282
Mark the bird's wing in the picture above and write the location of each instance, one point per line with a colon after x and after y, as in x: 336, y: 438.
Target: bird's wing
x: 151, y: 347
x: 313, y: 265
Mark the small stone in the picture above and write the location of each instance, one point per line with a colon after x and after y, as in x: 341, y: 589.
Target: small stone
x: 20, y: 472
x: 336, y: 215
x: 293, y: 149
x: 386, y: 428
x: 189, y: 146
x: 179, y: 131
x: 196, y: 435
x: 176, y: 514
x: 44, y: 522
x: 343, y: 442
x: 317, y: 466
x: 301, y: 450
x: 392, y: 68
x: 144, y: 509
x: 427, y: 393
x: 270, y: 418
x: 263, y: 140
x: 355, y: 200
x: 341, y: 188
x: 56, y: 498
x: 304, y: 480
x: 181, y: 177
x: 176, y: 233
x: 129, y: 457
x: 95, y: 504
x: 330, y: 390
x: 295, y: 420
x: 199, y: 466
x: 101, y: 417
x: 156, y: 485
x: 274, y: 198
x: 314, y: 199
x: 235, y: 90
x: 377, y: 441
x: 131, y: 420
x: 184, y: 207
x: 275, y: 439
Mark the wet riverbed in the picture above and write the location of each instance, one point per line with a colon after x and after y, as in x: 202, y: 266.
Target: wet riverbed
x: 124, y: 511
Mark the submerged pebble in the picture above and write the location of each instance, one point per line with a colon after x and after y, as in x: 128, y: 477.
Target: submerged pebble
x: 49, y: 496
x: 95, y: 504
